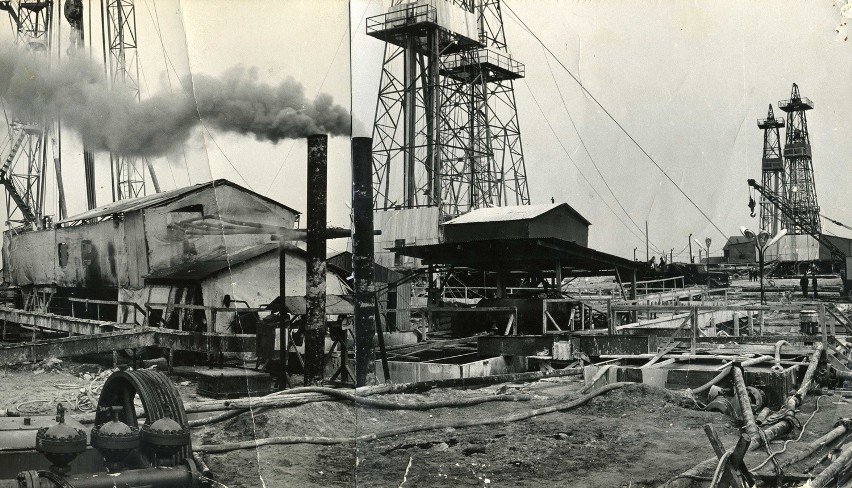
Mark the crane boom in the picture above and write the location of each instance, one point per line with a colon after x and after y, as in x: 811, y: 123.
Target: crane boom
x: 799, y: 220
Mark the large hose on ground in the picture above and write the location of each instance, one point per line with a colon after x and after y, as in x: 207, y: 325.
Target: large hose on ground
x: 783, y: 426
x: 751, y: 427
x: 218, y: 448
x: 158, y: 394
x: 832, y: 470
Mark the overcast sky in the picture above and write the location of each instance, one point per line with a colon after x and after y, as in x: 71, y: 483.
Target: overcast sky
x: 686, y: 79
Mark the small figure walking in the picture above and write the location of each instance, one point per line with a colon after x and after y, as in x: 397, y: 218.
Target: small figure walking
x: 804, y: 284
x: 814, y: 282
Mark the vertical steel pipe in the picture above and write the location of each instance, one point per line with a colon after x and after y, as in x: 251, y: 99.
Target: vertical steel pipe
x: 363, y: 258
x: 315, y: 270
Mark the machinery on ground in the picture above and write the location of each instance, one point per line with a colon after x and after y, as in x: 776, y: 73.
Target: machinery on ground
x: 157, y: 454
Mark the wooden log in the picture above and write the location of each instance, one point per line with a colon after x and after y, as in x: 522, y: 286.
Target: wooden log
x: 465, y: 382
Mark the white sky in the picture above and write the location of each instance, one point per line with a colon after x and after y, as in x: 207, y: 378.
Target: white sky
x: 687, y: 79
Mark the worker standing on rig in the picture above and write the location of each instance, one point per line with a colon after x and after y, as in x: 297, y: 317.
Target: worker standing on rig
x: 804, y: 284
x: 814, y: 281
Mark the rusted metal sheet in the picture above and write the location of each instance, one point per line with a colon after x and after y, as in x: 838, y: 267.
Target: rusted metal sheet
x: 75, y: 346
x: 58, y: 322
x: 490, y: 346
x: 597, y: 345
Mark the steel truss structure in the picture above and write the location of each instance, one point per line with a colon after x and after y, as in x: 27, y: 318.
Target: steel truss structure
x: 446, y: 130
x: 800, y: 190
x: 24, y: 152
x: 774, y: 179
x: 120, y: 19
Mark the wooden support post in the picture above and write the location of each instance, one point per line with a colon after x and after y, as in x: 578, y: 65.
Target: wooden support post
x: 611, y: 316
x: 750, y: 322
x: 315, y: 270
x: 693, y: 317
x: 734, y: 469
x: 736, y: 319
x: 558, y: 278
x: 762, y: 323
x: 634, y: 315
x: 823, y: 328
x: 833, y: 329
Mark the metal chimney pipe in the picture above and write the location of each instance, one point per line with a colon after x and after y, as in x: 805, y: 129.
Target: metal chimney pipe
x: 315, y: 328
x: 363, y: 258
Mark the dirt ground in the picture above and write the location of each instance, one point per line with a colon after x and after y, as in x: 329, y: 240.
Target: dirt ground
x: 636, y: 436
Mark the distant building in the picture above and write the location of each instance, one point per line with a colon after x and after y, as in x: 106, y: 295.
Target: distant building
x: 558, y: 220
x: 739, y: 250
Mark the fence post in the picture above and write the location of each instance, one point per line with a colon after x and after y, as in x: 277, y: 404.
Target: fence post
x: 611, y: 316
x: 736, y: 319
x: 693, y: 317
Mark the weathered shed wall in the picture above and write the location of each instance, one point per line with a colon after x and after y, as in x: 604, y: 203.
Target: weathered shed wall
x: 167, y: 247
x: 120, y: 252
x: 256, y: 282
x: 92, y: 256
x: 411, y: 225
x: 561, y: 224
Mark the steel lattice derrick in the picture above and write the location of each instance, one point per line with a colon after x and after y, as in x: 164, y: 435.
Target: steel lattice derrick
x: 121, y: 43
x: 23, y: 164
x: 772, y: 166
x: 800, y: 190
x: 446, y: 130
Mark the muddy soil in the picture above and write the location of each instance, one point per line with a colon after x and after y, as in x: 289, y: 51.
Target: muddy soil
x: 636, y: 436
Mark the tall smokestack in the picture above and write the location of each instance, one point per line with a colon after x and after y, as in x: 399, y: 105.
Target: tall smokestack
x: 363, y: 258
x: 316, y: 266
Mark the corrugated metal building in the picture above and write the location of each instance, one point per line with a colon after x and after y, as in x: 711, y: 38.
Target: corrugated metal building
x: 556, y: 220
x: 129, y: 251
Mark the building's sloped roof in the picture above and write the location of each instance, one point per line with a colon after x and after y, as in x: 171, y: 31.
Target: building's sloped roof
x: 511, y: 213
x: 518, y: 254
x: 158, y: 199
x: 737, y: 240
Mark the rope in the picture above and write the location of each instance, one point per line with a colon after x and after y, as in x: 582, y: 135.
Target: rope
x: 788, y: 441
x: 717, y: 475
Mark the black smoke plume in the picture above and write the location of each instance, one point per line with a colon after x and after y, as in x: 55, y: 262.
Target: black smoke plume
x: 110, y: 119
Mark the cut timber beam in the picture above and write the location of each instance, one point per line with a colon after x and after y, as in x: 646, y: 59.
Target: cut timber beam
x: 59, y: 323
x: 207, y: 342
x: 75, y: 346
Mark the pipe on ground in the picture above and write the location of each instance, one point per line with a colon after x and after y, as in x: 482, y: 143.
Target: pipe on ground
x: 796, y: 399
x: 217, y: 448
x: 834, y: 469
x: 420, y: 387
x: 751, y: 427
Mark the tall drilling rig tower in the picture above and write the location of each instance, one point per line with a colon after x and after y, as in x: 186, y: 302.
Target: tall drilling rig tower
x: 446, y: 132
x: 800, y: 190
x: 24, y: 152
x: 773, y: 170
x: 120, y: 44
